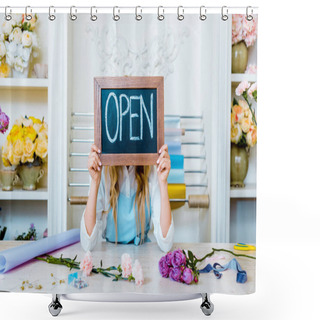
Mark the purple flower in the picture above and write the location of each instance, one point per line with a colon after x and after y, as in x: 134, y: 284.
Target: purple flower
x: 4, y: 122
x: 187, y: 276
x: 175, y: 274
x: 178, y: 258
x: 32, y: 226
x: 169, y: 257
x: 163, y: 267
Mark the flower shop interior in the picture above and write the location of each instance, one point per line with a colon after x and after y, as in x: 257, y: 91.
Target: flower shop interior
x: 43, y: 81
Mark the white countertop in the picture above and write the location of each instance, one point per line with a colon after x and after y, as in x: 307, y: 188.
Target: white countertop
x: 39, y: 272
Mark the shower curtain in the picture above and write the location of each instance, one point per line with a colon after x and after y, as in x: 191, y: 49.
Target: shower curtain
x: 63, y: 80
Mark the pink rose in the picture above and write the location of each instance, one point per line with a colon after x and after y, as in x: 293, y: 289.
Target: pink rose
x: 137, y: 273
x: 126, y: 265
x: 242, y: 87
x: 86, y: 264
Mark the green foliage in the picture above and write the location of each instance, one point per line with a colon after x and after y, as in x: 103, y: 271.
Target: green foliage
x: 235, y: 102
x: 31, y: 235
x: 2, y: 232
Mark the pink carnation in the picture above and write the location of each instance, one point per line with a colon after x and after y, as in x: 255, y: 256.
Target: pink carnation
x: 252, y: 89
x: 245, y: 30
x: 242, y: 87
x: 4, y: 122
x: 126, y: 265
x: 86, y: 264
x: 137, y: 273
x: 251, y: 69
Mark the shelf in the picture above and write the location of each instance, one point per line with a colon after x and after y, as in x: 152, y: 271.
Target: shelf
x: 249, y: 191
x: 28, y: 83
x: 238, y: 77
x: 19, y: 194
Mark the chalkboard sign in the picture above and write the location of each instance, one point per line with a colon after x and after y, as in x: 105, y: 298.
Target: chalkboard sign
x: 128, y: 119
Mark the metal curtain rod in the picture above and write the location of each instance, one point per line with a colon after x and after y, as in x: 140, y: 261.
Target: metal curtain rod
x: 126, y: 9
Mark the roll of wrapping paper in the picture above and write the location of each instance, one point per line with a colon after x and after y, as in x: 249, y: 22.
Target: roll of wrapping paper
x: 177, y: 161
x: 177, y: 191
x: 174, y: 132
x: 174, y: 147
x: 171, y: 122
x: 176, y: 176
x: 14, y: 257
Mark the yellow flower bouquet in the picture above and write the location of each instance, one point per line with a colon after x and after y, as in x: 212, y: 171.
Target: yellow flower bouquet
x: 27, y: 143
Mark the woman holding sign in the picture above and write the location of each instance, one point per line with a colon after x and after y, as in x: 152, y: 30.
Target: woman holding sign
x: 123, y: 200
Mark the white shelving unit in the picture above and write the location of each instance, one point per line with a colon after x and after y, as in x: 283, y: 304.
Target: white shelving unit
x: 20, y: 97
x: 19, y: 194
x: 23, y: 84
x: 242, y: 209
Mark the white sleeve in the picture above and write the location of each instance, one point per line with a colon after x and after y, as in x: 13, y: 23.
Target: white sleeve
x: 164, y: 243
x: 89, y: 242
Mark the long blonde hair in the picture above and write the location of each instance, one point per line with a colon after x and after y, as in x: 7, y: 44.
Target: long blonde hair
x: 142, y: 194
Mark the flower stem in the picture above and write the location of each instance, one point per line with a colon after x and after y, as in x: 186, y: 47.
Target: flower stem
x: 224, y: 250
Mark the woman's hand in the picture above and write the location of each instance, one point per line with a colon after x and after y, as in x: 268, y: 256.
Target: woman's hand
x: 94, y: 164
x: 164, y: 164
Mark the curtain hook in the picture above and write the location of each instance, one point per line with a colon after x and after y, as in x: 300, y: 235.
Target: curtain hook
x: 116, y: 17
x: 224, y: 13
x: 73, y: 16
x: 160, y: 16
x: 249, y: 16
x: 28, y: 15
x: 8, y: 16
x: 93, y: 17
x: 203, y: 12
x: 52, y: 16
x: 180, y: 15
x: 138, y: 16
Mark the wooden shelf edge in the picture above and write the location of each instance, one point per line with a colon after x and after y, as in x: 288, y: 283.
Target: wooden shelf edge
x: 28, y: 83
x: 249, y: 191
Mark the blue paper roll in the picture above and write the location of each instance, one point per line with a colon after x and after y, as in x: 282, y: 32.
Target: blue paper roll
x: 16, y: 256
x: 172, y: 122
x: 177, y: 161
x: 176, y: 176
x: 174, y: 147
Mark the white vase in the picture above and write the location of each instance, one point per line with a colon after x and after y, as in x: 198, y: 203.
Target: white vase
x: 18, y: 74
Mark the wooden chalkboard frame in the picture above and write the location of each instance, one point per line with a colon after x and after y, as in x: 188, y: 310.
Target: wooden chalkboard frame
x: 100, y: 83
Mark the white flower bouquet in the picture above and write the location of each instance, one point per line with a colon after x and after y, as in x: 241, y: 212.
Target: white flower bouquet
x: 18, y: 44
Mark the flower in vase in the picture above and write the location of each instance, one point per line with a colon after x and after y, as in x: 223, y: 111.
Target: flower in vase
x: 245, y: 124
x: 242, y: 87
x: 137, y: 273
x: 2, y: 37
x: 42, y: 146
x: 251, y: 69
x: 8, y: 26
x: 252, y: 92
x: 29, y: 132
x: 19, y: 64
x: 25, y: 53
x: 31, y: 24
x: 126, y: 265
x: 4, y: 122
x: 3, y: 49
x: 27, y: 39
x: 17, y: 152
x: 16, y: 35
x: 86, y: 264
x: 28, y: 150
x: 251, y: 137
x: 236, y: 133
x: 17, y: 18
x: 239, y: 113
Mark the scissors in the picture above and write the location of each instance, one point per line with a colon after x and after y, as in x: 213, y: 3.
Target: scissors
x: 244, y: 247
